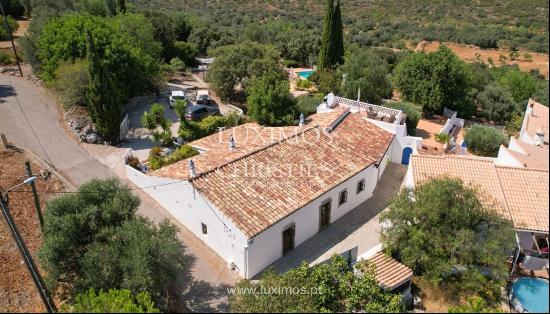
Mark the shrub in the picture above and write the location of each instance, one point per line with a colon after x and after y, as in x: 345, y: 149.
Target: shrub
x: 177, y: 64
x: 5, y: 58
x: 304, y: 84
x: 133, y: 161
x: 496, y: 102
x: 327, y: 81
x: 12, y: 23
x: 156, y: 161
x: 71, y: 83
x: 411, y: 110
x: 307, y: 104
x: 112, y: 301
x: 484, y: 141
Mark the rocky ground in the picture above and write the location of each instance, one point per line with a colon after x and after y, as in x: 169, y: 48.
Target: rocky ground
x: 17, y: 290
x: 80, y: 123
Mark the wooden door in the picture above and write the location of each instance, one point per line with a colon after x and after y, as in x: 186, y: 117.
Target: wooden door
x: 324, y: 215
x: 288, y: 239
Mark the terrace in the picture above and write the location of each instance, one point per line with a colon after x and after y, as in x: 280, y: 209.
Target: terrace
x: 373, y: 112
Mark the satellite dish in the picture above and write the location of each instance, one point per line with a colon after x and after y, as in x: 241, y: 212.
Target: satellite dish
x: 330, y: 100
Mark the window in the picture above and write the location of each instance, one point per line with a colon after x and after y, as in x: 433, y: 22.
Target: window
x: 360, y: 186
x: 343, y: 197
x: 204, y: 228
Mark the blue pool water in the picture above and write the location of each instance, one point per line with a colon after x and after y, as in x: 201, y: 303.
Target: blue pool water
x: 532, y: 293
x: 305, y: 74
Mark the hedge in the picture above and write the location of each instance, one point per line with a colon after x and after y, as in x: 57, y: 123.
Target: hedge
x: 484, y: 141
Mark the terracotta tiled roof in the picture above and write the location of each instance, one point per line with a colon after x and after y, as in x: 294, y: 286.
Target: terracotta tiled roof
x: 533, y: 156
x: 538, y: 120
x: 526, y: 192
x: 519, y: 194
x: 248, y: 138
x: 260, y: 189
x: 390, y: 274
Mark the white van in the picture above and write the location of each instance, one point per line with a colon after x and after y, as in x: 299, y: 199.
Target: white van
x: 203, y: 97
x: 176, y: 95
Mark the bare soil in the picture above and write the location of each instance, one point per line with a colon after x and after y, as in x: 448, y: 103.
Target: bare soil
x: 470, y: 53
x: 17, y: 290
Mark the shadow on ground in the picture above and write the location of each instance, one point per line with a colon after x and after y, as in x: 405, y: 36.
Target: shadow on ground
x: 6, y: 91
x: 353, y: 231
x: 198, y: 296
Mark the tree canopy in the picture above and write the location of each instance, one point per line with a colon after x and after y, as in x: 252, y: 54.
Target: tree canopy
x: 93, y: 239
x: 435, y: 80
x: 497, y: 103
x: 269, y: 101
x: 444, y: 233
x: 234, y: 65
x: 365, y: 70
x: 328, y: 287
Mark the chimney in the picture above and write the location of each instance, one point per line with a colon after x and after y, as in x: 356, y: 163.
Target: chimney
x: 302, y: 120
x: 192, y: 171
x: 539, y: 140
x: 231, y: 143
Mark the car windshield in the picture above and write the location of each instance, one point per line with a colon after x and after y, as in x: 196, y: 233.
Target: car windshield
x: 178, y: 97
x: 203, y: 96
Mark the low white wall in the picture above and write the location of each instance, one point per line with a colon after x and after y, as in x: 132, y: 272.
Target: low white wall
x: 268, y: 245
x: 504, y: 158
x: 183, y: 202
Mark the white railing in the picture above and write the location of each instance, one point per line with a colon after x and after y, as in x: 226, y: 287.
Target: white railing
x: 397, y: 114
x: 124, y: 126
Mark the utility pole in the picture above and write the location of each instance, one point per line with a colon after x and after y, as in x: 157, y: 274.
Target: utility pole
x: 29, y: 262
x: 11, y: 39
x: 35, y: 194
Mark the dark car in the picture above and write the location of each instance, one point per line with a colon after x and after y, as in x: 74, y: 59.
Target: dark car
x: 198, y: 112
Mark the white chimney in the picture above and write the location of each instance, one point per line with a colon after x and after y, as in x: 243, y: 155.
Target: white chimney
x: 302, y: 120
x: 192, y: 171
x: 539, y: 140
x: 231, y: 143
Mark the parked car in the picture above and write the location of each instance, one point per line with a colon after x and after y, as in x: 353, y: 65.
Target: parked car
x: 198, y: 112
x: 203, y: 97
x: 176, y: 95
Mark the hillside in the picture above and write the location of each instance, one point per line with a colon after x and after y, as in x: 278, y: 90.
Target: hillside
x: 520, y: 24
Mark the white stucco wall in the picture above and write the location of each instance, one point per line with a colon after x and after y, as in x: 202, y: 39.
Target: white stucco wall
x: 191, y: 209
x: 504, y: 158
x: 268, y: 245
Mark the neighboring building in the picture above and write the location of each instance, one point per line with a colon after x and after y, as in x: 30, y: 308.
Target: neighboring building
x: 530, y: 150
x: 518, y: 194
x: 254, y: 193
x: 534, y: 129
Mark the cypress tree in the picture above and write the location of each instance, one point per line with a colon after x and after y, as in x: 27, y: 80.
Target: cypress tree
x: 332, y: 45
x: 105, y: 98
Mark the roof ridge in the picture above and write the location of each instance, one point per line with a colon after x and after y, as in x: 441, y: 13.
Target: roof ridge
x: 255, y: 152
x: 477, y: 158
x: 522, y: 168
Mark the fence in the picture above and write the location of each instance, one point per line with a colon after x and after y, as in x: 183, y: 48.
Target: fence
x: 124, y: 126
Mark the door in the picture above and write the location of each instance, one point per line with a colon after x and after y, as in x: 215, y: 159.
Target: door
x: 407, y: 151
x: 288, y: 239
x: 324, y: 215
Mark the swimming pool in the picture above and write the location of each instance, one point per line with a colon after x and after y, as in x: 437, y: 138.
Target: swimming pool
x: 532, y: 294
x: 305, y: 74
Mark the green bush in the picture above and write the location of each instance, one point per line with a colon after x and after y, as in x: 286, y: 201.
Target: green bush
x: 156, y: 161
x: 304, y: 84
x: 71, y: 83
x: 484, y: 141
x: 5, y: 58
x: 327, y: 81
x: 112, y: 301
x: 12, y: 23
x: 307, y: 104
x: 411, y: 110
x: 192, y: 130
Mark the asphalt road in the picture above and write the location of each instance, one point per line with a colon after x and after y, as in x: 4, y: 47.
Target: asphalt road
x: 31, y: 120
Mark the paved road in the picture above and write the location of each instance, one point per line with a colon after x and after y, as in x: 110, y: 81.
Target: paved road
x: 31, y: 120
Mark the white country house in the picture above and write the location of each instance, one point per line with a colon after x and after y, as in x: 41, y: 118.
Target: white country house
x: 254, y: 193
